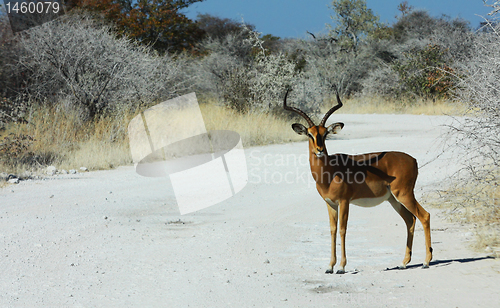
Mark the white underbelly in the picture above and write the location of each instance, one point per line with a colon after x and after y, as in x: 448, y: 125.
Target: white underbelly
x: 369, y: 202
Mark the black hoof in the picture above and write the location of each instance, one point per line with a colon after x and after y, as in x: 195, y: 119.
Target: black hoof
x: 329, y: 271
x: 340, y: 272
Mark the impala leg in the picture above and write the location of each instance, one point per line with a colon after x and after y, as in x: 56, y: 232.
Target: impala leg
x: 409, y: 201
x: 410, y: 228
x: 343, y: 216
x: 333, y: 215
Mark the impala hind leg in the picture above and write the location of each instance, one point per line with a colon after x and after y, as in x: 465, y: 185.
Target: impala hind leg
x: 409, y: 201
x: 333, y: 216
x: 410, y: 228
x: 343, y: 216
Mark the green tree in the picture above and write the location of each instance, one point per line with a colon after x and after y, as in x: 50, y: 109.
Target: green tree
x: 353, y: 22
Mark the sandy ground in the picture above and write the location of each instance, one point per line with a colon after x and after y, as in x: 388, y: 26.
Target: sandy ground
x: 116, y: 239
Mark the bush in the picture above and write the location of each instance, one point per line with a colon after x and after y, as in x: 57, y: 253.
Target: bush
x: 224, y: 71
x: 383, y: 82
x: 422, y: 51
x: 326, y: 65
x: 425, y: 72
x: 475, y: 139
x: 81, y: 62
x: 480, y: 135
x: 416, y: 25
x: 274, y: 73
x: 246, y: 76
x: 10, y: 77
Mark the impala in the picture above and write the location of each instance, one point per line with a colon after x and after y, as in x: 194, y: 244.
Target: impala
x: 365, y: 180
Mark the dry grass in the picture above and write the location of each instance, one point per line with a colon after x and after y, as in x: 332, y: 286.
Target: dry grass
x: 254, y: 128
x: 369, y: 105
x: 63, y: 140
x: 476, y: 206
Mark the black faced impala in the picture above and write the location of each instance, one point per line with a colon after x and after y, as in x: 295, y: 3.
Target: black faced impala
x: 365, y: 180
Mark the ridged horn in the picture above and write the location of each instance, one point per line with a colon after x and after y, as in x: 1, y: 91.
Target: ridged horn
x: 296, y: 110
x: 332, y: 110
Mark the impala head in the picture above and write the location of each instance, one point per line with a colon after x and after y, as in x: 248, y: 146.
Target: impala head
x: 317, y: 133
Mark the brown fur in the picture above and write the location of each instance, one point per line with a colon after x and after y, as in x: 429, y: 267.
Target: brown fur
x: 376, y: 173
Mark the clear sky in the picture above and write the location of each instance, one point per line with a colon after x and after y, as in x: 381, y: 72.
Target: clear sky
x: 292, y: 18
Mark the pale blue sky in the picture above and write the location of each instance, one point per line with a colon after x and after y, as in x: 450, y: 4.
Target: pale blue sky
x: 292, y: 18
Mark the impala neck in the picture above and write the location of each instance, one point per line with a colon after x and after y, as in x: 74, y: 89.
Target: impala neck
x: 319, y: 165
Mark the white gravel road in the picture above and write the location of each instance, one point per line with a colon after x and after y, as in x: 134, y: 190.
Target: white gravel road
x: 116, y: 239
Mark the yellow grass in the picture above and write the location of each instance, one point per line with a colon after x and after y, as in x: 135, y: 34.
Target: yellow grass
x: 475, y: 205
x: 369, y: 105
x: 63, y: 140
x: 254, y: 128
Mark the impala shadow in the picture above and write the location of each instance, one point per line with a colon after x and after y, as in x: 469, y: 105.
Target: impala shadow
x: 443, y: 262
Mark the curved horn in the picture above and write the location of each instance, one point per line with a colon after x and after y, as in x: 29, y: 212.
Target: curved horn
x: 332, y: 110
x: 298, y: 111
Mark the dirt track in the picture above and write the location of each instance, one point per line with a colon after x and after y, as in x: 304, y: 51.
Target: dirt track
x: 114, y: 238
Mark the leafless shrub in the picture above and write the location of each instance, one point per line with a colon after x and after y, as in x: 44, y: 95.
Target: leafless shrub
x: 225, y: 71
x: 478, y: 134
x: 475, y: 140
x: 77, y: 60
x: 235, y: 88
x: 274, y: 72
x: 325, y: 66
x: 11, y: 109
x: 7, y: 55
x: 479, y: 88
x: 243, y: 74
x: 383, y: 82
x: 412, y: 35
x: 456, y: 37
x: 495, y: 7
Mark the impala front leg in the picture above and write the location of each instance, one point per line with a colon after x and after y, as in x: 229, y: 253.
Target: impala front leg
x: 343, y: 216
x: 333, y: 215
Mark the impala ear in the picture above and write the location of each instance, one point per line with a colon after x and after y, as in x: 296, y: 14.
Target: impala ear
x: 299, y: 129
x: 335, y: 128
